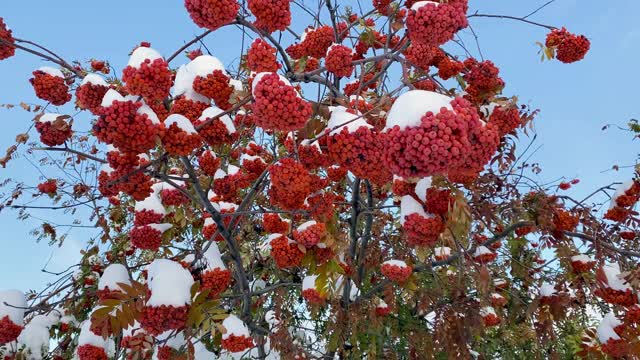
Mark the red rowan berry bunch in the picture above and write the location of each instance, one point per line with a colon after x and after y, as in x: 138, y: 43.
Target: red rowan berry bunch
x: 435, y: 24
x: 482, y: 80
x: 582, y: 264
x: 49, y: 187
x: 271, y: 15
x: 489, y: 317
x: 99, y: 66
x: 214, y: 129
x: 147, y: 217
x: 360, y: 152
x: 616, y: 348
x: 422, y: 231
x: 507, y: 119
x: 448, y: 68
x: 483, y: 255
x: 311, y: 156
x: 173, y: 197
x: 135, y: 184
x: 568, y: 47
x: 8, y: 330
x: 484, y: 140
x: 6, y: 39
x: 261, y: 57
x: 357, y: 87
x: 49, y: 85
x: 321, y: 207
x: 216, y: 281
x: 313, y: 297
x: 53, y: 129
x: 383, y: 7
x: 158, y: 319
x: 310, y: 233
x: 180, y: 137
x: 215, y: 86
x: 439, y: 201
x: 336, y: 173
x: 396, y: 270
x: 307, y: 64
x: 564, y: 221
x: 273, y: 223
x: 285, y: 252
x: 423, y: 55
x: 627, y: 235
x: 338, y: 60
x: 90, y: 93
x: 123, y: 126
x: 209, y: 163
x: 425, y: 84
x: 253, y: 167
x: 91, y: 352
x: 151, y: 79
x: 191, y: 109
x: 146, y: 237
x: 401, y: 187
x: 228, y: 186
x: 212, y: 14
x: 617, y: 296
x: 315, y: 43
x: 291, y: 183
x: 235, y: 344
x: 277, y: 104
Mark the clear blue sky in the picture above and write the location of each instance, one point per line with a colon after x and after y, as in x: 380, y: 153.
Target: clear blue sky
x: 575, y: 100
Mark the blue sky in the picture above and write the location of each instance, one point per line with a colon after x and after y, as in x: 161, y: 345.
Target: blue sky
x: 575, y: 100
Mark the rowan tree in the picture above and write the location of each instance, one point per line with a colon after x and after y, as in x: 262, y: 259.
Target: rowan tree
x: 346, y: 190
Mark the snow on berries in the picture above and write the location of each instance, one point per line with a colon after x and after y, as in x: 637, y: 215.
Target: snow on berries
x: 54, y: 129
x: 428, y: 134
x: 237, y: 337
x: 209, y: 163
x: 291, y: 183
x: 396, y: 270
x: 92, y: 346
x: 212, y: 14
x: 309, y: 233
x: 216, y: 277
x: 149, y: 211
x: 215, y: 85
x: 179, y: 138
x: 338, y: 60
x: 441, y: 253
x: 354, y: 144
x: 608, y: 334
x: 567, y: 47
x: 110, y: 280
x: 90, y: 93
x: 147, y: 74
x: 190, y: 107
x: 614, y: 289
x: 126, y: 124
x: 148, y: 237
x: 285, y: 252
x: 582, y: 263
x: 261, y: 57
x: 433, y: 23
x: 271, y: 15
x: 489, y: 316
x: 310, y: 292
x: 216, y: 129
x: 277, y: 105
x: 12, y: 305
x: 49, y: 85
x: 483, y: 255
x: 6, y: 39
x: 420, y: 228
x: 170, y: 287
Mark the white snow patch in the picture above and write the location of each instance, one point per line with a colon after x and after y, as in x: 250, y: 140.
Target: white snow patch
x: 141, y: 54
x: 51, y: 71
x: 234, y: 326
x: 408, y: 206
x: 181, y: 122
x: 169, y: 282
x: 410, y: 107
x: 94, y: 79
x: 112, y: 276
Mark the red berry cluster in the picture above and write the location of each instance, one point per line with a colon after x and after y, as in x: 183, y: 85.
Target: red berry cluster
x: 122, y: 126
x: 321, y: 206
x: 49, y: 187
x: 216, y: 281
x: 313, y: 297
x: 100, y: 66
x: 338, y: 60
x: 8, y: 330
x: 447, y: 140
x: 271, y: 15
x: 191, y: 109
x: 212, y: 14
x: 434, y: 24
x: 563, y: 221
x: 215, y: 86
x: 382, y: 6
x: 158, y: 319
x: 423, y: 55
x: 50, y: 88
x: 91, y: 352
x: 568, y: 47
x: 209, y: 163
x: 291, y: 183
x: 273, y: 223
x: 234, y: 343
x: 582, y: 267
x: 360, y: 152
x: 55, y: 132
x: 336, y: 173
x: 311, y: 156
x: 401, y: 187
x: 215, y: 132
x: 490, y: 320
x: 616, y: 348
x: 261, y: 57
x: 6, y: 39
x: 484, y: 141
x: 227, y: 187
x: 179, y: 142
x: 485, y: 258
x: 357, y: 87
x: 191, y: 55
x: 448, y: 68
x: 173, y: 197
x: 151, y: 80
x: 425, y: 84
x: 89, y: 96
x: 395, y: 272
x: 507, y: 119
x: 315, y: 43
x: 422, y: 231
x: 439, y: 201
x: 146, y: 217
x: 617, y: 297
x: 285, y: 253
x: 145, y: 237
x: 253, y: 167
x: 307, y: 64
x: 311, y: 235
x: 483, y: 80
x: 277, y: 105
x: 128, y: 180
